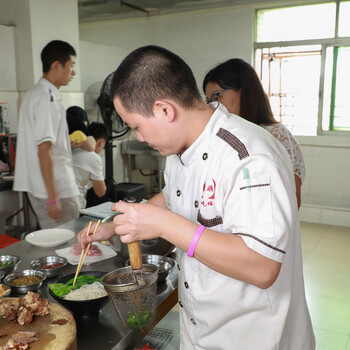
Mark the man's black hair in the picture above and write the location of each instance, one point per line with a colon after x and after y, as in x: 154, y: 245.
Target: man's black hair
x: 150, y: 73
x: 56, y: 50
x: 98, y: 131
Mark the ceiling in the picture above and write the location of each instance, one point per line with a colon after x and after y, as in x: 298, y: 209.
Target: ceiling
x: 101, y: 10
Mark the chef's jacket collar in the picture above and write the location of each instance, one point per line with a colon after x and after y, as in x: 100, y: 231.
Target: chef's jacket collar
x: 52, y: 88
x: 201, y: 145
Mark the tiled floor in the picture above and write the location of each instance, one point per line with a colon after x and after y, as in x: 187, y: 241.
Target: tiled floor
x: 326, y: 254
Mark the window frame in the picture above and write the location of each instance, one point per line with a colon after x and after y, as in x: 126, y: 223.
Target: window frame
x: 325, y: 43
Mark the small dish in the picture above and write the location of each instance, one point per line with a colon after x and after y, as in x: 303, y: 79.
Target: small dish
x: 24, y: 288
x: 165, y: 264
x: 52, y: 265
x: 8, y: 264
x: 50, y: 237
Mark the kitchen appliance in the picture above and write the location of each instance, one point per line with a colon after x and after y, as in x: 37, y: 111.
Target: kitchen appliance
x: 115, y: 126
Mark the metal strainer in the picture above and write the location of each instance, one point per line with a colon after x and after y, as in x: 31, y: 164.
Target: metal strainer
x: 135, y: 303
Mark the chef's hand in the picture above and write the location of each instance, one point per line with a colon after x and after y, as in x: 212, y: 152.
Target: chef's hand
x: 103, y: 233
x: 138, y: 221
x: 54, y: 211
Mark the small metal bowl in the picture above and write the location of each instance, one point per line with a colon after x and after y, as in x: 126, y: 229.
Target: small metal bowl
x: 165, y: 264
x: 5, y: 290
x: 13, y: 260
x: 38, y: 264
x: 26, y: 287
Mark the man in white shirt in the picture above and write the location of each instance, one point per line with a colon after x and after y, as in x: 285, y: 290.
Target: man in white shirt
x: 229, y: 206
x: 43, y: 156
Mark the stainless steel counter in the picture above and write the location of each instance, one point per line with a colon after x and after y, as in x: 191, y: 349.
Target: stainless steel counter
x: 105, y: 332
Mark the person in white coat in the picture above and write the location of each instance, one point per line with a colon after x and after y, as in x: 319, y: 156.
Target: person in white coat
x: 228, y: 204
x: 43, y: 166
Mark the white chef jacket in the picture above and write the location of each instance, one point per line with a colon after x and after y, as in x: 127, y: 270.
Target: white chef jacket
x: 43, y: 118
x: 237, y: 179
x: 87, y: 166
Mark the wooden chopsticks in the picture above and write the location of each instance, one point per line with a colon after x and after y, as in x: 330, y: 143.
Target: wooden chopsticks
x: 84, y: 251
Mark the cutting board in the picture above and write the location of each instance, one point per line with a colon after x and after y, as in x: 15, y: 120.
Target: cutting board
x: 57, y: 330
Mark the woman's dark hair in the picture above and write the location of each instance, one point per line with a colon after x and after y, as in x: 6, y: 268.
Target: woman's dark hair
x: 254, y: 103
x: 56, y: 50
x: 76, y: 116
x: 150, y: 73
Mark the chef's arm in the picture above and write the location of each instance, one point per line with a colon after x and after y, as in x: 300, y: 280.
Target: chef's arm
x: 224, y: 253
x: 46, y: 167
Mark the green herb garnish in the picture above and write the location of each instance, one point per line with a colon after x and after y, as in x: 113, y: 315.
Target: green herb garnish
x: 138, y: 320
x: 6, y: 263
x: 61, y: 289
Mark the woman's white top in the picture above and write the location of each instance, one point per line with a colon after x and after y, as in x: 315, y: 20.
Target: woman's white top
x: 287, y: 139
x: 42, y: 118
x: 237, y: 179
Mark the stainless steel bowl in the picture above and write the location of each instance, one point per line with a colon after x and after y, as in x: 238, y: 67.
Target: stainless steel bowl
x: 165, y: 264
x: 38, y: 264
x: 12, y: 260
x: 27, y: 287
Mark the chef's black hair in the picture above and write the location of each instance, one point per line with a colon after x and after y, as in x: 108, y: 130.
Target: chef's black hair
x: 56, y: 50
x: 254, y: 103
x: 151, y: 73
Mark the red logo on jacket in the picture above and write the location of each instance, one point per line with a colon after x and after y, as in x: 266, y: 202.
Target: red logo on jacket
x: 208, y: 196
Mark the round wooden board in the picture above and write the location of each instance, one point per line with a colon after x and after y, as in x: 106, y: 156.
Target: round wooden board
x: 57, y: 330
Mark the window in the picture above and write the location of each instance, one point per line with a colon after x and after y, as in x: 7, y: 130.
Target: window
x: 302, y: 54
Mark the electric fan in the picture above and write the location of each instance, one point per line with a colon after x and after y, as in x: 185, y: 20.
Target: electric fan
x: 114, y: 124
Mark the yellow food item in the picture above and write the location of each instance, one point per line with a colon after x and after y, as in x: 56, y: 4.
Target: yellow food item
x: 3, y: 290
x: 77, y: 136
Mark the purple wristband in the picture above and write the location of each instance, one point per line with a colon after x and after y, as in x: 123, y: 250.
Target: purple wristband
x: 53, y: 202
x: 195, y: 240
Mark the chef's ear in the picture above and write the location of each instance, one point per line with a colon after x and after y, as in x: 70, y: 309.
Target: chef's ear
x: 55, y: 66
x: 164, y: 109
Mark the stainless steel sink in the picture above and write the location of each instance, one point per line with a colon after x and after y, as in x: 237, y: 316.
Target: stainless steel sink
x: 138, y: 155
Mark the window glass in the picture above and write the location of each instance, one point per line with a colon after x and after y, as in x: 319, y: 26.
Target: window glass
x: 296, y: 23
x: 336, y: 107
x: 290, y: 76
x: 344, y: 16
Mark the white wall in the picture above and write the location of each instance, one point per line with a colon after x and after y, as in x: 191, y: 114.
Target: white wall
x: 202, y: 39
x: 205, y: 38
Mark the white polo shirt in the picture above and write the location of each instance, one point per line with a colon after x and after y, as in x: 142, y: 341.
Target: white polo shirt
x: 237, y: 179
x: 87, y: 166
x: 43, y: 118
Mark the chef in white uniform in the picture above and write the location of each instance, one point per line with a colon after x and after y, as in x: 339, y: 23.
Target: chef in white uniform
x: 229, y: 206
x: 43, y: 156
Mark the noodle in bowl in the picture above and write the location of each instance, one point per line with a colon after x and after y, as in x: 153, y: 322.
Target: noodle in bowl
x: 86, y: 304
x: 88, y: 292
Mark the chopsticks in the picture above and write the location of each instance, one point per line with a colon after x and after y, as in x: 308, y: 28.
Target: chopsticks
x: 84, y: 251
